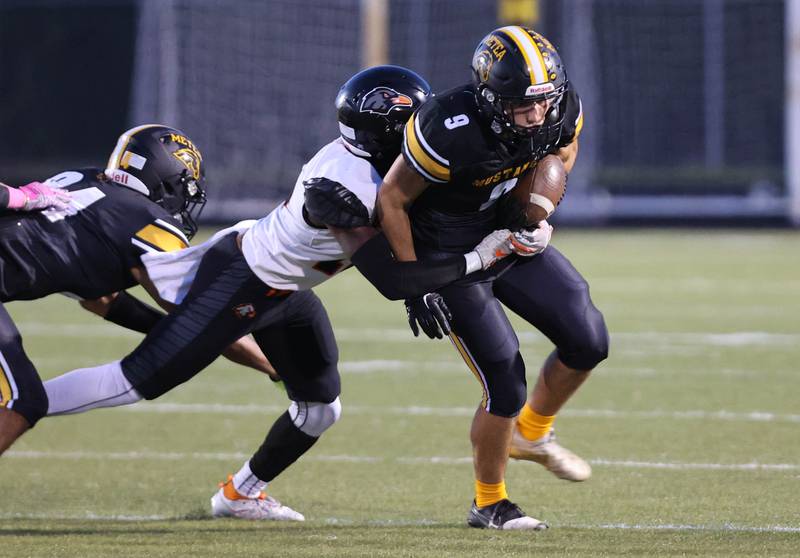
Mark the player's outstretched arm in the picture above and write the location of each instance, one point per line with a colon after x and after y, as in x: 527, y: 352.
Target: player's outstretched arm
x: 124, y: 310
x: 398, y: 280
x: 329, y: 203
x: 32, y: 197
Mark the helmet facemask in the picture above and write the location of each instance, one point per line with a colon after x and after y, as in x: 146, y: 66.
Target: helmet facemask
x: 184, y: 197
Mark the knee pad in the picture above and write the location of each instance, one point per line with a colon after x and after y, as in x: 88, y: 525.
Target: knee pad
x: 589, y: 342
x: 507, y: 389
x: 314, y: 418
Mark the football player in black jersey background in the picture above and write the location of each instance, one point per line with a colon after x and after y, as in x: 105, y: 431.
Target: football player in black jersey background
x: 462, y: 151
x: 88, y: 243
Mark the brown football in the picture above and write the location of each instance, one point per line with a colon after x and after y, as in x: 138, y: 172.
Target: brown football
x: 536, y: 194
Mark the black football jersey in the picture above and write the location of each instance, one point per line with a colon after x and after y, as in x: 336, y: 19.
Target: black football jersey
x: 88, y: 249
x: 466, y: 166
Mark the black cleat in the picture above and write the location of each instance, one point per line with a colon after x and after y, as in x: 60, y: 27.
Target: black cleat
x: 502, y: 515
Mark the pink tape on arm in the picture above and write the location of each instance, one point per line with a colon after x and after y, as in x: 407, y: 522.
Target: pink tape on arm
x: 16, y: 198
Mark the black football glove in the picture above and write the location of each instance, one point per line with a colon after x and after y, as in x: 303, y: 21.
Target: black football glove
x: 432, y: 314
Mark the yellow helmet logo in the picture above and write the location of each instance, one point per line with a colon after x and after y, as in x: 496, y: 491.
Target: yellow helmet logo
x: 483, y: 65
x: 191, y: 159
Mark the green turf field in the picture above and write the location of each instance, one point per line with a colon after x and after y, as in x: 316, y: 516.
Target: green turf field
x: 692, y: 425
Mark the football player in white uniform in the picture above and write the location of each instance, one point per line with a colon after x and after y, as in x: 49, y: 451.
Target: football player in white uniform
x: 260, y: 281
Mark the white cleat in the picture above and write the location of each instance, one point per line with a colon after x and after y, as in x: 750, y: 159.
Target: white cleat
x: 546, y: 451
x: 264, y: 507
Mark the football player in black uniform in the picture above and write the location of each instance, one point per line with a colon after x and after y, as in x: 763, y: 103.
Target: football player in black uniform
x: 146, y: 200
x: 461, y: 152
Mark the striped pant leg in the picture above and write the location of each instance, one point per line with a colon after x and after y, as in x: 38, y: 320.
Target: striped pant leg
x: 484, y: 338
x: 226, y: 301
x: 21, y: 389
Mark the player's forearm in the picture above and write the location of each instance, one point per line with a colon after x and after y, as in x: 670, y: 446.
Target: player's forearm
x: 398, y: 280
x: 397, y: 228
x: 246, y: 352
x: 568, y: 155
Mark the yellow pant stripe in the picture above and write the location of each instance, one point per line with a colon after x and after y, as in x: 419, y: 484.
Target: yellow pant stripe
x: 473, y: 366
x: 5, y: 388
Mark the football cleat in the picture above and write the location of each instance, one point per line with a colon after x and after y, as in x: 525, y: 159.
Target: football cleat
x: 504, y: 515
x: 546, y: 451
x: 229, y: 503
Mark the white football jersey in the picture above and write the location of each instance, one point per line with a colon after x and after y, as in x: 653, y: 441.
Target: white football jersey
x: 283, y: 250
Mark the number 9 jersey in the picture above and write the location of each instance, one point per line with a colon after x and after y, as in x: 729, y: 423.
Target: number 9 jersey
x: 467, y: 167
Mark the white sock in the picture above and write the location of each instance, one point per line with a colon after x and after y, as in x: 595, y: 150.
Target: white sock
x: 246, y: 483
x: 89, y: 388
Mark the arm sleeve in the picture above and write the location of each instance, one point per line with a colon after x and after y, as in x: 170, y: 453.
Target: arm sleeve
x: 131, y: 313
x: 399, y: 280
x: 3, y: 199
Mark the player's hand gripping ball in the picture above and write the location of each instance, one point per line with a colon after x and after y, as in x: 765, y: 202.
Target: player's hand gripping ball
x: 535, y: 196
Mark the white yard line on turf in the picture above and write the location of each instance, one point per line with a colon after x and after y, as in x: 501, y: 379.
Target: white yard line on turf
x: 88, y: 516
x: 435, y: 460
x: 729, y: 339
x: 251, y: 409
x: 336, y: 521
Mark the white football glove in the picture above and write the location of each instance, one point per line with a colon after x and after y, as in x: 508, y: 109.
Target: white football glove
x: 494, y: 246
x: 529, y: 242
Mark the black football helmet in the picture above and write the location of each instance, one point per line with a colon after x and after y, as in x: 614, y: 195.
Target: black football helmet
x: 513, y: 66
x: 163, y: 164
x: 373, y: 107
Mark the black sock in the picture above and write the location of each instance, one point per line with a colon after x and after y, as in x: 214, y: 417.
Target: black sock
x: 284, y: 444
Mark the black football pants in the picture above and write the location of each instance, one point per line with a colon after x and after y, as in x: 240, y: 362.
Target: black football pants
x: 21, y: 388
x: 227, y: 301
x: 548, y: 293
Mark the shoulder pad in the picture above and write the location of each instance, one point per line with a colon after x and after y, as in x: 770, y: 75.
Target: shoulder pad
x: 425, y: 143
x: 330, y: 203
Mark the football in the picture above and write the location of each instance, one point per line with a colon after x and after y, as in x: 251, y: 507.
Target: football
x: 536, y: 194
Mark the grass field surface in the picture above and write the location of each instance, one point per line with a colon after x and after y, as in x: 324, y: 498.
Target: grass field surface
x: 692, y: 426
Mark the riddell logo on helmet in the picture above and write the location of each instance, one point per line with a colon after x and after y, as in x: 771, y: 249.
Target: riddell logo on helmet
x: 540, y: 89
x: 382, y: 100
x: 120, y: 177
